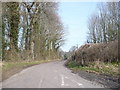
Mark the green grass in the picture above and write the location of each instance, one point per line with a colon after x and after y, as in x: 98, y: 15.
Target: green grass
x: 73, y: 64
x: 11, y: 68
x: 106, y: 68
x: 23, y: 64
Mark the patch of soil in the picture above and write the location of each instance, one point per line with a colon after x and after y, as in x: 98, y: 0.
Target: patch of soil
x: 106, y: 80
x: 8, y: 73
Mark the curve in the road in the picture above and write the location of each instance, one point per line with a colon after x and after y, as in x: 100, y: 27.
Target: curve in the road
x: 48, y: 75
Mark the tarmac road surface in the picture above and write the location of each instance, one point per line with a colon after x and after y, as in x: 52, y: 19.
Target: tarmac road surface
x: 48, y: 75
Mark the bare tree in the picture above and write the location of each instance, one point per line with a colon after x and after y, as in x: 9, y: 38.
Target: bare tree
x: 103, y: 25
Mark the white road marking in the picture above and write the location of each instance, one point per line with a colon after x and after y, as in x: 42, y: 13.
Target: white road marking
x: 40, y: 84
x: 66, y: 77
x: 79, y: 84
x: 62, y: 78
x: 63, y: 83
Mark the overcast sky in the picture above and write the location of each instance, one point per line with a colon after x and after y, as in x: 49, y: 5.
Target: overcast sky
x: 74, y: 16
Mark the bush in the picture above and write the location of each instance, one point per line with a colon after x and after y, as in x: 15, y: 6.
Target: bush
x: 101, y: 52
x: 72, y: 64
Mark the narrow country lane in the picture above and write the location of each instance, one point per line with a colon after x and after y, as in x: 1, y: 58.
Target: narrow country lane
x: 48, y: 75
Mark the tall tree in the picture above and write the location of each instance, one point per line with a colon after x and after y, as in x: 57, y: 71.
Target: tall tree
x: 103, y: 26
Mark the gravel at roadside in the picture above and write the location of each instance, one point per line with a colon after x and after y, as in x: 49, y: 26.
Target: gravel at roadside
x: 107, y: 81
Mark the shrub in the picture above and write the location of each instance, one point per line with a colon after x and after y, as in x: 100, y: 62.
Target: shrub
x: 90, y: 53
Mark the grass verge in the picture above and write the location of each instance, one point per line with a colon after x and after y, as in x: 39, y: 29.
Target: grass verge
x: 101, y: 68
x: 11, y: 68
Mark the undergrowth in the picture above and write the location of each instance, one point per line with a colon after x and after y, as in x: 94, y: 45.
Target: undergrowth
x: 101, y: 68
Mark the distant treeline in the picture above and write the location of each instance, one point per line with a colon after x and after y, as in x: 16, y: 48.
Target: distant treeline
x: 31, y: 31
